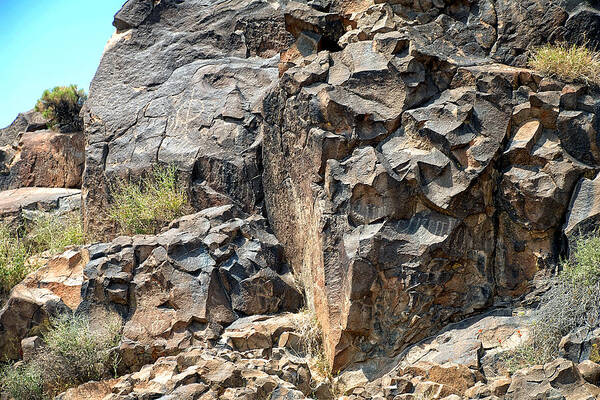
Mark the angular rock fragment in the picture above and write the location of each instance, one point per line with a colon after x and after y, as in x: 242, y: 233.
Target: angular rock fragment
x: 176, y: 290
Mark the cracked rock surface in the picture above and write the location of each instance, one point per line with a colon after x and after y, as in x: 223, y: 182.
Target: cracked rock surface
x: 415, y: 172
x: 413, y: 169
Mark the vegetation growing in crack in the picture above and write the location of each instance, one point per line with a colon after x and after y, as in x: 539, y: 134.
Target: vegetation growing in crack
x: 45, y: 233
x: 572, y: 302
x: 61, y: 107
x: 147, y: 206
x: 73, y: 353
x: 311, y: 346
x: 569, y: 63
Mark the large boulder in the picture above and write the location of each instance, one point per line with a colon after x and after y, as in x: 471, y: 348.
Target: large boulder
x: 32, y: 156
x: 47, y: 159
x: 182, y: 83
x: 15, y: 202
x: 414, y: 171
x: 412, y: 180
x: 29, y: 121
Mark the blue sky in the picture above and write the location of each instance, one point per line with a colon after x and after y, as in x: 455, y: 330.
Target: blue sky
x: 45, y: 43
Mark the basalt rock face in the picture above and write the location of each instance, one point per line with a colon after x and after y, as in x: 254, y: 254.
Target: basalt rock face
x: 29, y: 121
x: 414, y: 172
x: 182, y: 287
x: 182, y: 83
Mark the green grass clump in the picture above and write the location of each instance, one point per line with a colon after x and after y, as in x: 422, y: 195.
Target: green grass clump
x: 47, y: 232
x: 61, y: 106
x: 14, y: 253
x: 584, y: 266
x: 147, y: 206
x: 569, y: 63
x: 23, y: 382
x: 572, y: 302
x: 80, y: 354
x: 72, y: 354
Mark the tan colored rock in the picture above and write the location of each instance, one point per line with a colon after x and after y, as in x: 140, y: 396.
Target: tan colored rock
x: 590, y: 371
x: 62, y: 275
x: 14, y: 201
x: 556, y: 378
x: 429, y: 390
x: 53, y: 289
x: 500, y: 386
x: 291, y: 340
x: 49, y: 159
x: 454, y: 379
x: 90, y: 391
x: 259, y: 332
x: 198, y: 373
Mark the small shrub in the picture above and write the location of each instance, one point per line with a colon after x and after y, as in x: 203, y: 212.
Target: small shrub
x: 72, y: 354
x: 75, y: 354
x: 147, y: 206
x: 14, y: 253
x: 23, y: 382
x: 569, y: 63
x: 61, y: 106
x: 572, y: 302
x: 584, y: 266
x: 311, y: 337
x: 595, y: 353
x: 521, y: 357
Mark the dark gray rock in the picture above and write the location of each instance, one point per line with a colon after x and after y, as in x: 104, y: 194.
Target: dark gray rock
x: 182, y: 84
x: 176, y: 289
x: 29, y: 121
x: 133, y: 13
x: 584, y: 211
x: 413, y: 172
x: 412, y: 180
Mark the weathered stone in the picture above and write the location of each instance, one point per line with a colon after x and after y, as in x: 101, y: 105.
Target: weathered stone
x: 48, y: 159
x: 30, y: 347
x: 557, y: 379
x: 584, y: 210
x: 29, y: 121
x: 14, y: 202
x: 133, y: 13
x: 200, y: 374
x: 174, y: 291
x: 590, y: 371
x: 51, y: 290
x: 379, y: 197
x: 183, y: 85
x: 412, y: 179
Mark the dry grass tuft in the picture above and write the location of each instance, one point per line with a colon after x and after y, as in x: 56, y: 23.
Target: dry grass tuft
x: 571, y: 303
x: 45, y: 233
x: 147, y: 206
x: 73, y: 353
x: 569, y: 63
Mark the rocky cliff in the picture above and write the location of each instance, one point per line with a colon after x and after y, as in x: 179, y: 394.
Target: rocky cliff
x: 394, y: 160
x: 413, y: 170
x: 413, y: 176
